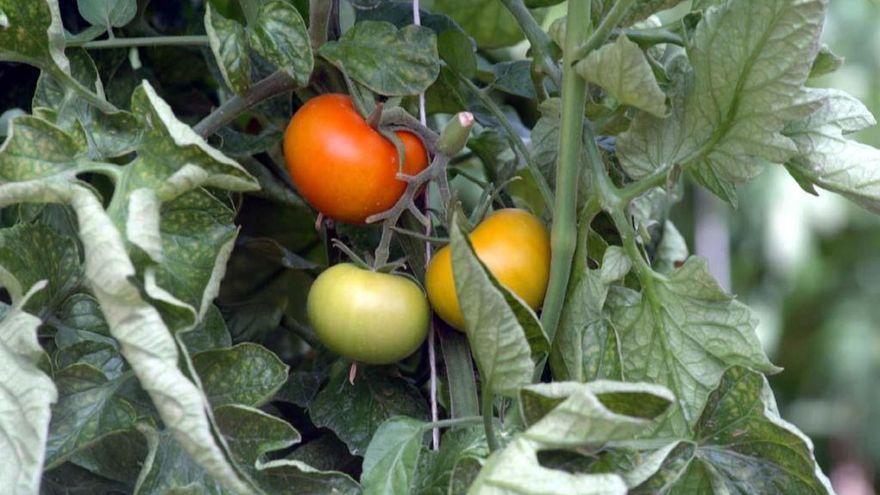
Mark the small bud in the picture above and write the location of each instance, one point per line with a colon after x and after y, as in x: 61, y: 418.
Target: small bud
x: 455, y: 135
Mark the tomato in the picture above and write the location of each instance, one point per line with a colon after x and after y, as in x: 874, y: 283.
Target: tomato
x: 341, y: 165
x: 366, y: 316
x: 514, y: 245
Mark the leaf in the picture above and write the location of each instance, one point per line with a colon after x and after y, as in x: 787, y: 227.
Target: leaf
x: 30, y: 253
x: 750, y: 59
x: 355, y: 412
x: 435, y: 474
x: 488, y: 21
x: 279, y: 34
x: 569, y: 415
x: 28, y: 394
x: 740, y: 445
x: 644, y: 8
x: 108, y: 135
x: 169, y: 469
x: 622, y: 69
x: 506, y: 337
x: 392, y: 456
x: 88, y: 409
x: 825, y: 62
x: 108, y: 13
x: 514, y: 77
x: 229, y: 44
x: 683, y: 332
x: 117, y: 456
x: 386, y: 60
x: 586, y: 346
x: 246, y: 374
x: 831, y: 161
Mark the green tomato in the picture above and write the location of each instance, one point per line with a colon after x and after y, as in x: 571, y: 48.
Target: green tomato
x: 366, y: 316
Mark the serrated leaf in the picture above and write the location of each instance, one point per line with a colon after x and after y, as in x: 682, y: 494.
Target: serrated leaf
x: 229, y: 43
x: 88, y: 409
x: 683, y: 334
x: 569, y: 415
x: 745, y: 86
x: 108, y: 135
x: 828, y: 159
x: 355, y: 412
x: 246, y: 374
x: 279, y: 34
x: 487, y: 21
x: 622, y: 69
x: 386, y: 60
x: 506, y: 338
x: 392, y: 457
x: 107, y: 13
x: 740, y: 445
x: 28, y: 394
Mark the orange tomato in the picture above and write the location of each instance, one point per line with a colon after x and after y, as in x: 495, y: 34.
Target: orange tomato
x: 341, y: 165
x: 514, y: 245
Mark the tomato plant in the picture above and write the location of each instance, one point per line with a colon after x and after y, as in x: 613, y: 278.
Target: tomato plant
x: 513, y: 245
x: 341, y: 165
x: 176, y: 317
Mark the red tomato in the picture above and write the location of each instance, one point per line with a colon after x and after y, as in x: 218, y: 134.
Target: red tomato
x: 341, y: 165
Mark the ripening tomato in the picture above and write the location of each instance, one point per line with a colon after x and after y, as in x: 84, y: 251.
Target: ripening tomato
x: 341, y: 165
x: 367, y: 316
x: 514, y: 245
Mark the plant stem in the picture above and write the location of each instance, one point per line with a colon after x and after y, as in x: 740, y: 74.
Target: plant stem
x: 650, y: 36
x: 319, y: 21
x: 635, y: 189
x: 145, y: 41
x: 277, y: 83
x: 303, y: 332
x: 538, y: 39
x: 447, y: 423
x: 574, y: 97
x: 489, y: 418
x: 611, y: 20
x: 512, y: 137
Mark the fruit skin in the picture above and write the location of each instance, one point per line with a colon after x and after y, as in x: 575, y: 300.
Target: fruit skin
x: 514, y: 245
x: 366, y: 316
x: 341, y: 165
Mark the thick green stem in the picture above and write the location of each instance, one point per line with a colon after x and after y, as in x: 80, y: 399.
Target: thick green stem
x: 277, y: 83
x: 512, y: 137
x: 574, y: 97
x: 489, y: 418
x: 146, y: 41
x: 611, y: 20
x: 541, y: 43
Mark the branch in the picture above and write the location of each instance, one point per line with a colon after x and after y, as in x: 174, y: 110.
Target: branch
x: 611, y: 20
x: 571, y: 140
x: 541, y: 43
x: 277, y: 83
x: 145, y: 41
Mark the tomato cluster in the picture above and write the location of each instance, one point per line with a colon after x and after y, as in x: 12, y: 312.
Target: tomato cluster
x: 347, y: 170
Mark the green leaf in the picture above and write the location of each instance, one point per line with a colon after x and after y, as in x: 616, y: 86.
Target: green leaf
x: 506, y: 338
x: 825, y: 62
x: 457, y: 50
x: 355, y: 412
x: 30, y: 253
x: 107, y: 13
x: 435, y: 474
x: 622, y: 69
x: 587, y: 345
x: 280, y: 35
x: 828, y: 159
x: 386, y: 60
x: 392, y: 456
x: 28, y: 394
x: 515, y: 78
x: 740, y: 445
x: 642, y: 9
x: 683, y: 333
x: 103, y: 356
x: 88, y: 409
x: 211, y: 333
x: 117, y: 456
x: 229, y: 43
x: 488, y: 21
x: 246, y: 374
x: 169, y: 469
x: 729, y: 110
x: 570, y: 415
x: 108, y: 135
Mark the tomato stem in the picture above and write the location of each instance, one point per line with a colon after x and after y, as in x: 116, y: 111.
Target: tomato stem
x: 489, y: 418
x: 611, y: 20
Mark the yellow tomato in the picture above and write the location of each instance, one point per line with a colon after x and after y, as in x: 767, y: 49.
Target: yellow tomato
x: 514, y: 245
